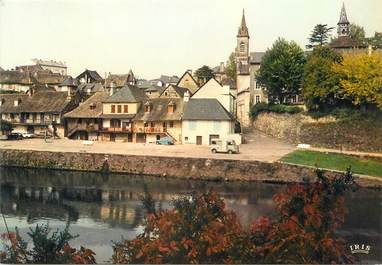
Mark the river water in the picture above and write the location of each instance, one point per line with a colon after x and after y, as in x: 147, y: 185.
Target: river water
x: 103, y: 209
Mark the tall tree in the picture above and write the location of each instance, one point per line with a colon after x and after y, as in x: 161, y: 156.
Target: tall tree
x: 358, y: 33
x: 320, y: 35
x: 376, y: 41
x: 321, y: 84
x: 281, y: 70
x: 204, y: 73
x: 230, y: 69
x: 361, y: 78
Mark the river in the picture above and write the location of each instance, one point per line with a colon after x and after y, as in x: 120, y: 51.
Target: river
x: 103, y: 209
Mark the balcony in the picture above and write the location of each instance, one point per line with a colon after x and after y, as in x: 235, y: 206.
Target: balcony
x: 151, y: 129
x: 119, y: 129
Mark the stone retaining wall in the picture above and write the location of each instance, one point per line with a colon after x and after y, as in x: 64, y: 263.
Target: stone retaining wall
x: 362, y: 136
x: 186, y: 168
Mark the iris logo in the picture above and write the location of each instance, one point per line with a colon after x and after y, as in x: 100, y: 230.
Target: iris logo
x: 360, y: 249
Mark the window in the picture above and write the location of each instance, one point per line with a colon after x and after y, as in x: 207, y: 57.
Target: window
x: 171, y: 124
x: 170, y: 108
x: 165, y: 93
x: 257, y: 85
x: 152, y: 124
x: 125, y: 108
x: 92, y: 106
x: 147, y: 108
x: 119, y: 108
x: 257, y: 99
x: 186, y: 138
x: 112, y: 108
x: 242, y: 47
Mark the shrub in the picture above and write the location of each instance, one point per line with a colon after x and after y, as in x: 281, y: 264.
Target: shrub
x: 47, y: 248
x: 277, y: 108
x: 200, y: 229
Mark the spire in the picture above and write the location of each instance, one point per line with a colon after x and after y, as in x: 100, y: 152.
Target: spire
x: 243, y: 30
x: 343, y: 16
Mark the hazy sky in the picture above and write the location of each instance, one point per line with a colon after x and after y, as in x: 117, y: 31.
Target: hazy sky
x: 154, y: 37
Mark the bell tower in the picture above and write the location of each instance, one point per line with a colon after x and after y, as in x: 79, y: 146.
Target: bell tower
x: 343, y: 29
x: 242, y: 48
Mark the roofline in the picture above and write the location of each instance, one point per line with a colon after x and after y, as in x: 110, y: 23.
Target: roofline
x: 206, y: 83
x: 184, y: 75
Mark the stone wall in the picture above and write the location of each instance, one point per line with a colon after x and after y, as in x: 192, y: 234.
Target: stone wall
x: 177, y: 167
x: 325, y: 132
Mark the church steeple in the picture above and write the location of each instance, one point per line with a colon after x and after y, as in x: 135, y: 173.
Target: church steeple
x: 243, y: 30
x: 343, y: 23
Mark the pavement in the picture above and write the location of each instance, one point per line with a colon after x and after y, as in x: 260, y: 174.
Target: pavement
x: 258, y: 147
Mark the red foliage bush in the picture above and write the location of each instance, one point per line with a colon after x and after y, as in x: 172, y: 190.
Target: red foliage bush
x: 201, y: 230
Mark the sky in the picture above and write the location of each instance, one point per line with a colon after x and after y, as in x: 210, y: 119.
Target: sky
x: 154, y: 37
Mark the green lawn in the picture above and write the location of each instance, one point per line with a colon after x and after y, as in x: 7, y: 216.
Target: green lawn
x: 335, y: 161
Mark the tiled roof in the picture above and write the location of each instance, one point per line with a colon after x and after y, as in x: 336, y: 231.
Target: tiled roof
x: 15, y: 77
x: 93, y: 74
x: 93, y: 87
x: 345, y: 42
x: 159, y: 110
x: 69, y: 81
x: 205, y: 109
x: 128, y: 93
x: 7, y: 102
x: 84, y: 110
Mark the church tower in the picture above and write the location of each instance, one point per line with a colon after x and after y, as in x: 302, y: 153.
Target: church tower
x: 343, y: 29
x: 242, y: 48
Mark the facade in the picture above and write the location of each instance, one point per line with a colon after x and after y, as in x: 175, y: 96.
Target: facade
x: 165, y: 80
x: 53, y: 66
x: 85, y: 121
x: 89, y: 76
x: 118, y: 81
x: 200, y: 124
x: 158, y: 118
x: 173, y: 91
x: 215, y: 90
x: 38, y: 113
x: 118, y: 111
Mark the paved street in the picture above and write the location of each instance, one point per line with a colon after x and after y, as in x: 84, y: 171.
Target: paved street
x: 259, y: 147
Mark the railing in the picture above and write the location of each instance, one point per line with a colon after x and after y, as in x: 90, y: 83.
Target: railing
x: 86, y: 127
x: 119, y: 129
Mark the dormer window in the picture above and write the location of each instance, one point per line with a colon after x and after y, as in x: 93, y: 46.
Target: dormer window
x: 92, y: 106
x: 171, y: 107
x: 148, y: 106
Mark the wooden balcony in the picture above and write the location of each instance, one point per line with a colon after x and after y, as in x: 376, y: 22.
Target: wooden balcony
x: 150, y: 129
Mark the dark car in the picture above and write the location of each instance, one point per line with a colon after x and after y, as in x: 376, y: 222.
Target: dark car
x: 15, y: 136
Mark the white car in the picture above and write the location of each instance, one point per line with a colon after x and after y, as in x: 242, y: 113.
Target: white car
x: 26, y: 134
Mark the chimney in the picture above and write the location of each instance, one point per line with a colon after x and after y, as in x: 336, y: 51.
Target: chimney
x: 111, y: 88
x: 69, y: 92
x: 186, y: 96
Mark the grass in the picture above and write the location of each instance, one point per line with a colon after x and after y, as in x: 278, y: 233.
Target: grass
x: 335, y: 161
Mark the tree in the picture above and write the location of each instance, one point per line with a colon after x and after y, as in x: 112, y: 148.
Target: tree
x: 319, y: 36
x: 358, y: 33
x: 281, y: 70
x: 321, y: 84
x: 376, y: 41
x: 199, y: 229
x: 5, y: 126
x: 230, y: 69
x: 204, y: 73
x: 361, y: 78
x: 47, y: 248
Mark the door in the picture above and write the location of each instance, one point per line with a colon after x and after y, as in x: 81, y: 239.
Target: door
x: 213, y: 136
x: 199, y: 140
x: 112, y: 137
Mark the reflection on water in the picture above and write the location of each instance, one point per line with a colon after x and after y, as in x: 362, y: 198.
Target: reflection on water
x: 103, y: 208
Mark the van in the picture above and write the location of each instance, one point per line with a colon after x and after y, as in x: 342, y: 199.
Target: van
x: 224, y: 146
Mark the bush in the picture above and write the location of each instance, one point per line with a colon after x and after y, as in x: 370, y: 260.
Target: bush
x: 277, y: 108
x: 200, y: 229
x: 348, y: 113
x: 47, y: 248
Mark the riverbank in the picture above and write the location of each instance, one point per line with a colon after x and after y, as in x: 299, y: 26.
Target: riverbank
x: 168, y: 166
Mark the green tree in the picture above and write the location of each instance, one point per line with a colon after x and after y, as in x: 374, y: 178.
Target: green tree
x: 321, y: 84
x: 376, y: 41
x: 230, y: 69
x: 6, y: 126
x: 204, y: 73
x: 319, y: 36
x: 361, y: 79
x: 281, y: 70
x: 358, y: 33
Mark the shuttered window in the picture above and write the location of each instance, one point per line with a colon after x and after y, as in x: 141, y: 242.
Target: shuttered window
x: 119, y: 108
x: 125, y: 108
x: 112, y: 108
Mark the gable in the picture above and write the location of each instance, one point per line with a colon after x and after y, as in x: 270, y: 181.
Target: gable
x: 170, y: 92
x: 210, y: 89
x: 187, y: 81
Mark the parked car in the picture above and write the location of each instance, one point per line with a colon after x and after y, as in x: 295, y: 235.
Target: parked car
x: 15, y: 136
x: 26, y: 134
x: 224, y: 146
x: 165, y: 141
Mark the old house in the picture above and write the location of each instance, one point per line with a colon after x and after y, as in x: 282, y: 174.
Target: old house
x: 173, y: 91
x: 154, y: 91
x: 188, y: 81
x: 157, y: 118
x: 220, y: 72
x: 15, y: 80
x: 37, y: 113
x: 215, y: 90
x: 206, y: 119
x: 118, y: 81
x: 165, y: 80
x: 50, y: 66
x: 118, y: 112
x: 84, y: 122
x: 69, y: 84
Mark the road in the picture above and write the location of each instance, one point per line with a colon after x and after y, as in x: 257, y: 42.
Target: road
x: 259, y: 147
